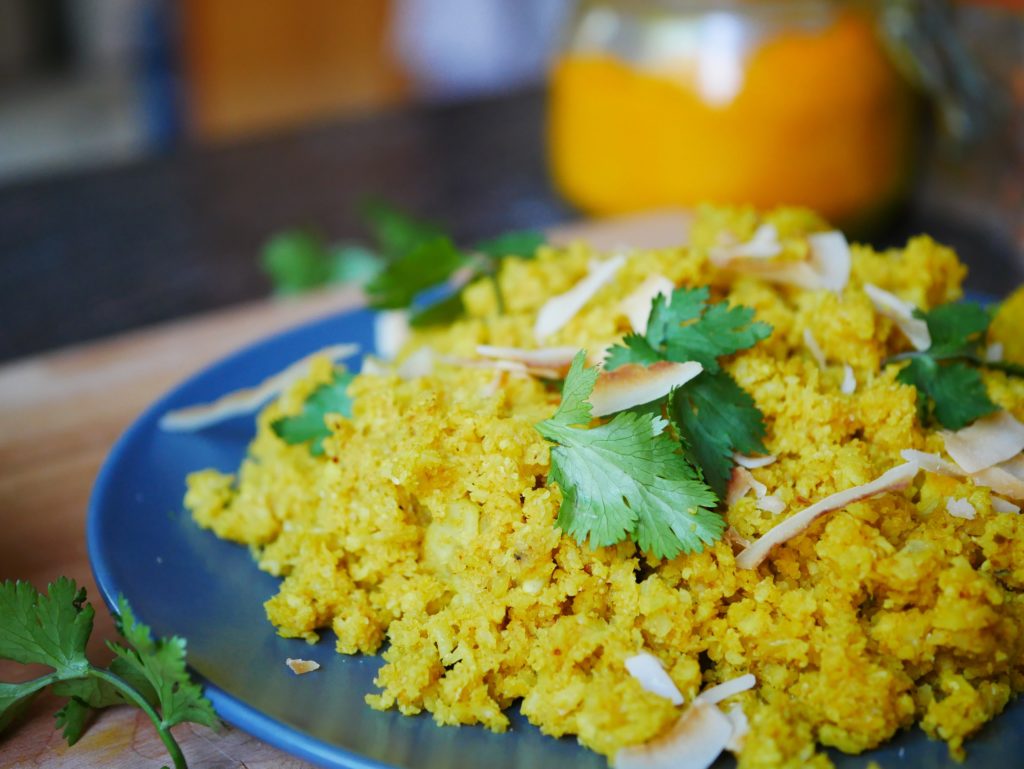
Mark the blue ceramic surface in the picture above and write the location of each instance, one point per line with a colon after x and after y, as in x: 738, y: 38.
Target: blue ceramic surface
x: 182, y: 580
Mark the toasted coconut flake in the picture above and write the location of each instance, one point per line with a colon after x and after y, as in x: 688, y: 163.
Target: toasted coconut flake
x: 727, y: 689
x: 1001, y: 505
x: 637, y: 306
x: 633, y: 385
x: 1006, y: 478
x: 550, y: 358
x: 735, y: 539
x: 814, y: 348
x: 897, y: 478
x: 559, y: 310
x: 994, y: 352
x: 933, y: 463
x: 902, y: 314
x: 740, y: 728
x: 742, y: 481
x: 299, y: 667
x: 248, y: 399
x: 987, y: 442
x: 961, y: 508
x: 496, y: 364
x: 763, y: 244
x: 830, y: 256
x: 390, y: 332
x: 849, y: 385
x: 694, y: 742
x: 651, y: 675
x: 752, y: 463
x: 772, y: 504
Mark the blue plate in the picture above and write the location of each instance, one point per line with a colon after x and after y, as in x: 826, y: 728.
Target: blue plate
x: 182, y: 580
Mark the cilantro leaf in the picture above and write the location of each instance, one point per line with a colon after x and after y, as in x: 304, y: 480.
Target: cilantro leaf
x: 162, y: 664
x: 686, y: 328
x: 715, y: 417
x: 625, y: 478
x: 53, y: 628
x: 296, y: 261
x: 955, y: 328
x: 396, y: 232
x: 430, y: 263
x: 309, y: 424
x: 950, y: 389
x: 47, y: 629
x: 521, y: 243
x: 444, y: 311
x: 953, y: 393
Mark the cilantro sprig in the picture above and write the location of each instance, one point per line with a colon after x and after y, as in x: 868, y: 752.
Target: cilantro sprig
x: 713, y: 416
x: 950, y: 389
x: 626, y: 477
x: 53, y: 628
x: 310, y: 425
x: 409, y: 257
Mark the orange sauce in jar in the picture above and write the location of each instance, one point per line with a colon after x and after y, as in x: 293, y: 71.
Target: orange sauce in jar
x: 816, y: 117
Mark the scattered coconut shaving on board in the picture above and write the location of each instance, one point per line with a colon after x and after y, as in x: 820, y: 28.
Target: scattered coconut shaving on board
x: 249, y: 399
x: 301, y: 667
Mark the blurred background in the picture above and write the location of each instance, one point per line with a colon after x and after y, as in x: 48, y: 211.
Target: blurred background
x: 148, y: 148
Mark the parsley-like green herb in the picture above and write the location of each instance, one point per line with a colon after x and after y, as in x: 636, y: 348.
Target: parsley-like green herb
x: 409, y: 257
x: 310, y: 424
x: 52, y: 629
x: 626, y: 477
x: 950, y: 389
x: 713, y: 416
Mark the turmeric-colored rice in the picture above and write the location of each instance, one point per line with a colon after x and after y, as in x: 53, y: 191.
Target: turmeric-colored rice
x: 428, y: 523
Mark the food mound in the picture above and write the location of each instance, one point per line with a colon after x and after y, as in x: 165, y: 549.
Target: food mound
x: 455, y: 515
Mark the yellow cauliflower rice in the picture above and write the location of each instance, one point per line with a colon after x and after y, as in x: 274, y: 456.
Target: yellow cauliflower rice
x: 429, y: 524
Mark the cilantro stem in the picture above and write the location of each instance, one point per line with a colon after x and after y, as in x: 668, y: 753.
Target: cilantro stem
x: 139, y: 701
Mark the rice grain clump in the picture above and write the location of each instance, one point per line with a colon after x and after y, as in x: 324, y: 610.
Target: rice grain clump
x: 428, y: 522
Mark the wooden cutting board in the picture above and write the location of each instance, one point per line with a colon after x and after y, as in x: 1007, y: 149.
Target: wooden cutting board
x: 60, y: 414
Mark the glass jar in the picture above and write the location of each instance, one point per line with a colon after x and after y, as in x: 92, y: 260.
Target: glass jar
x: 658, y: 103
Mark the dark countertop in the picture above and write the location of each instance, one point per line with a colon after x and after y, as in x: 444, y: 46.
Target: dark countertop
x: 90, y: 254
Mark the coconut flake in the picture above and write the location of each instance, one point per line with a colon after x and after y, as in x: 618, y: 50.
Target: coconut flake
x: 814, y: 348
x: 497, y: 364
x: 633, y: 385
x: 374, y: 366
x: 987, y: 442
x: 549, y: 358
x: 752, y: 463
x: 1001, y: 505
x: 994, y: 352
x: 248, y: 399
x: 637, y: 306
x: 419, y: 363
x: 849, y: 385
x: 559, y: 310
x: 651, y: 675
x: 763, y: 244
x: 897, y: 478
x: 695, y: 741
x: 740, y: 728
x: 736, y: 539
x: 961, y: 508
x: 771, y: 503
x: 742, y: 481
x: 390, y: 333
x: 830, y: 256
x: 902, y: 314
x: 727, y: 689
x: 1006, y: 478
x: 299, y: 667
x: 933, y: 463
